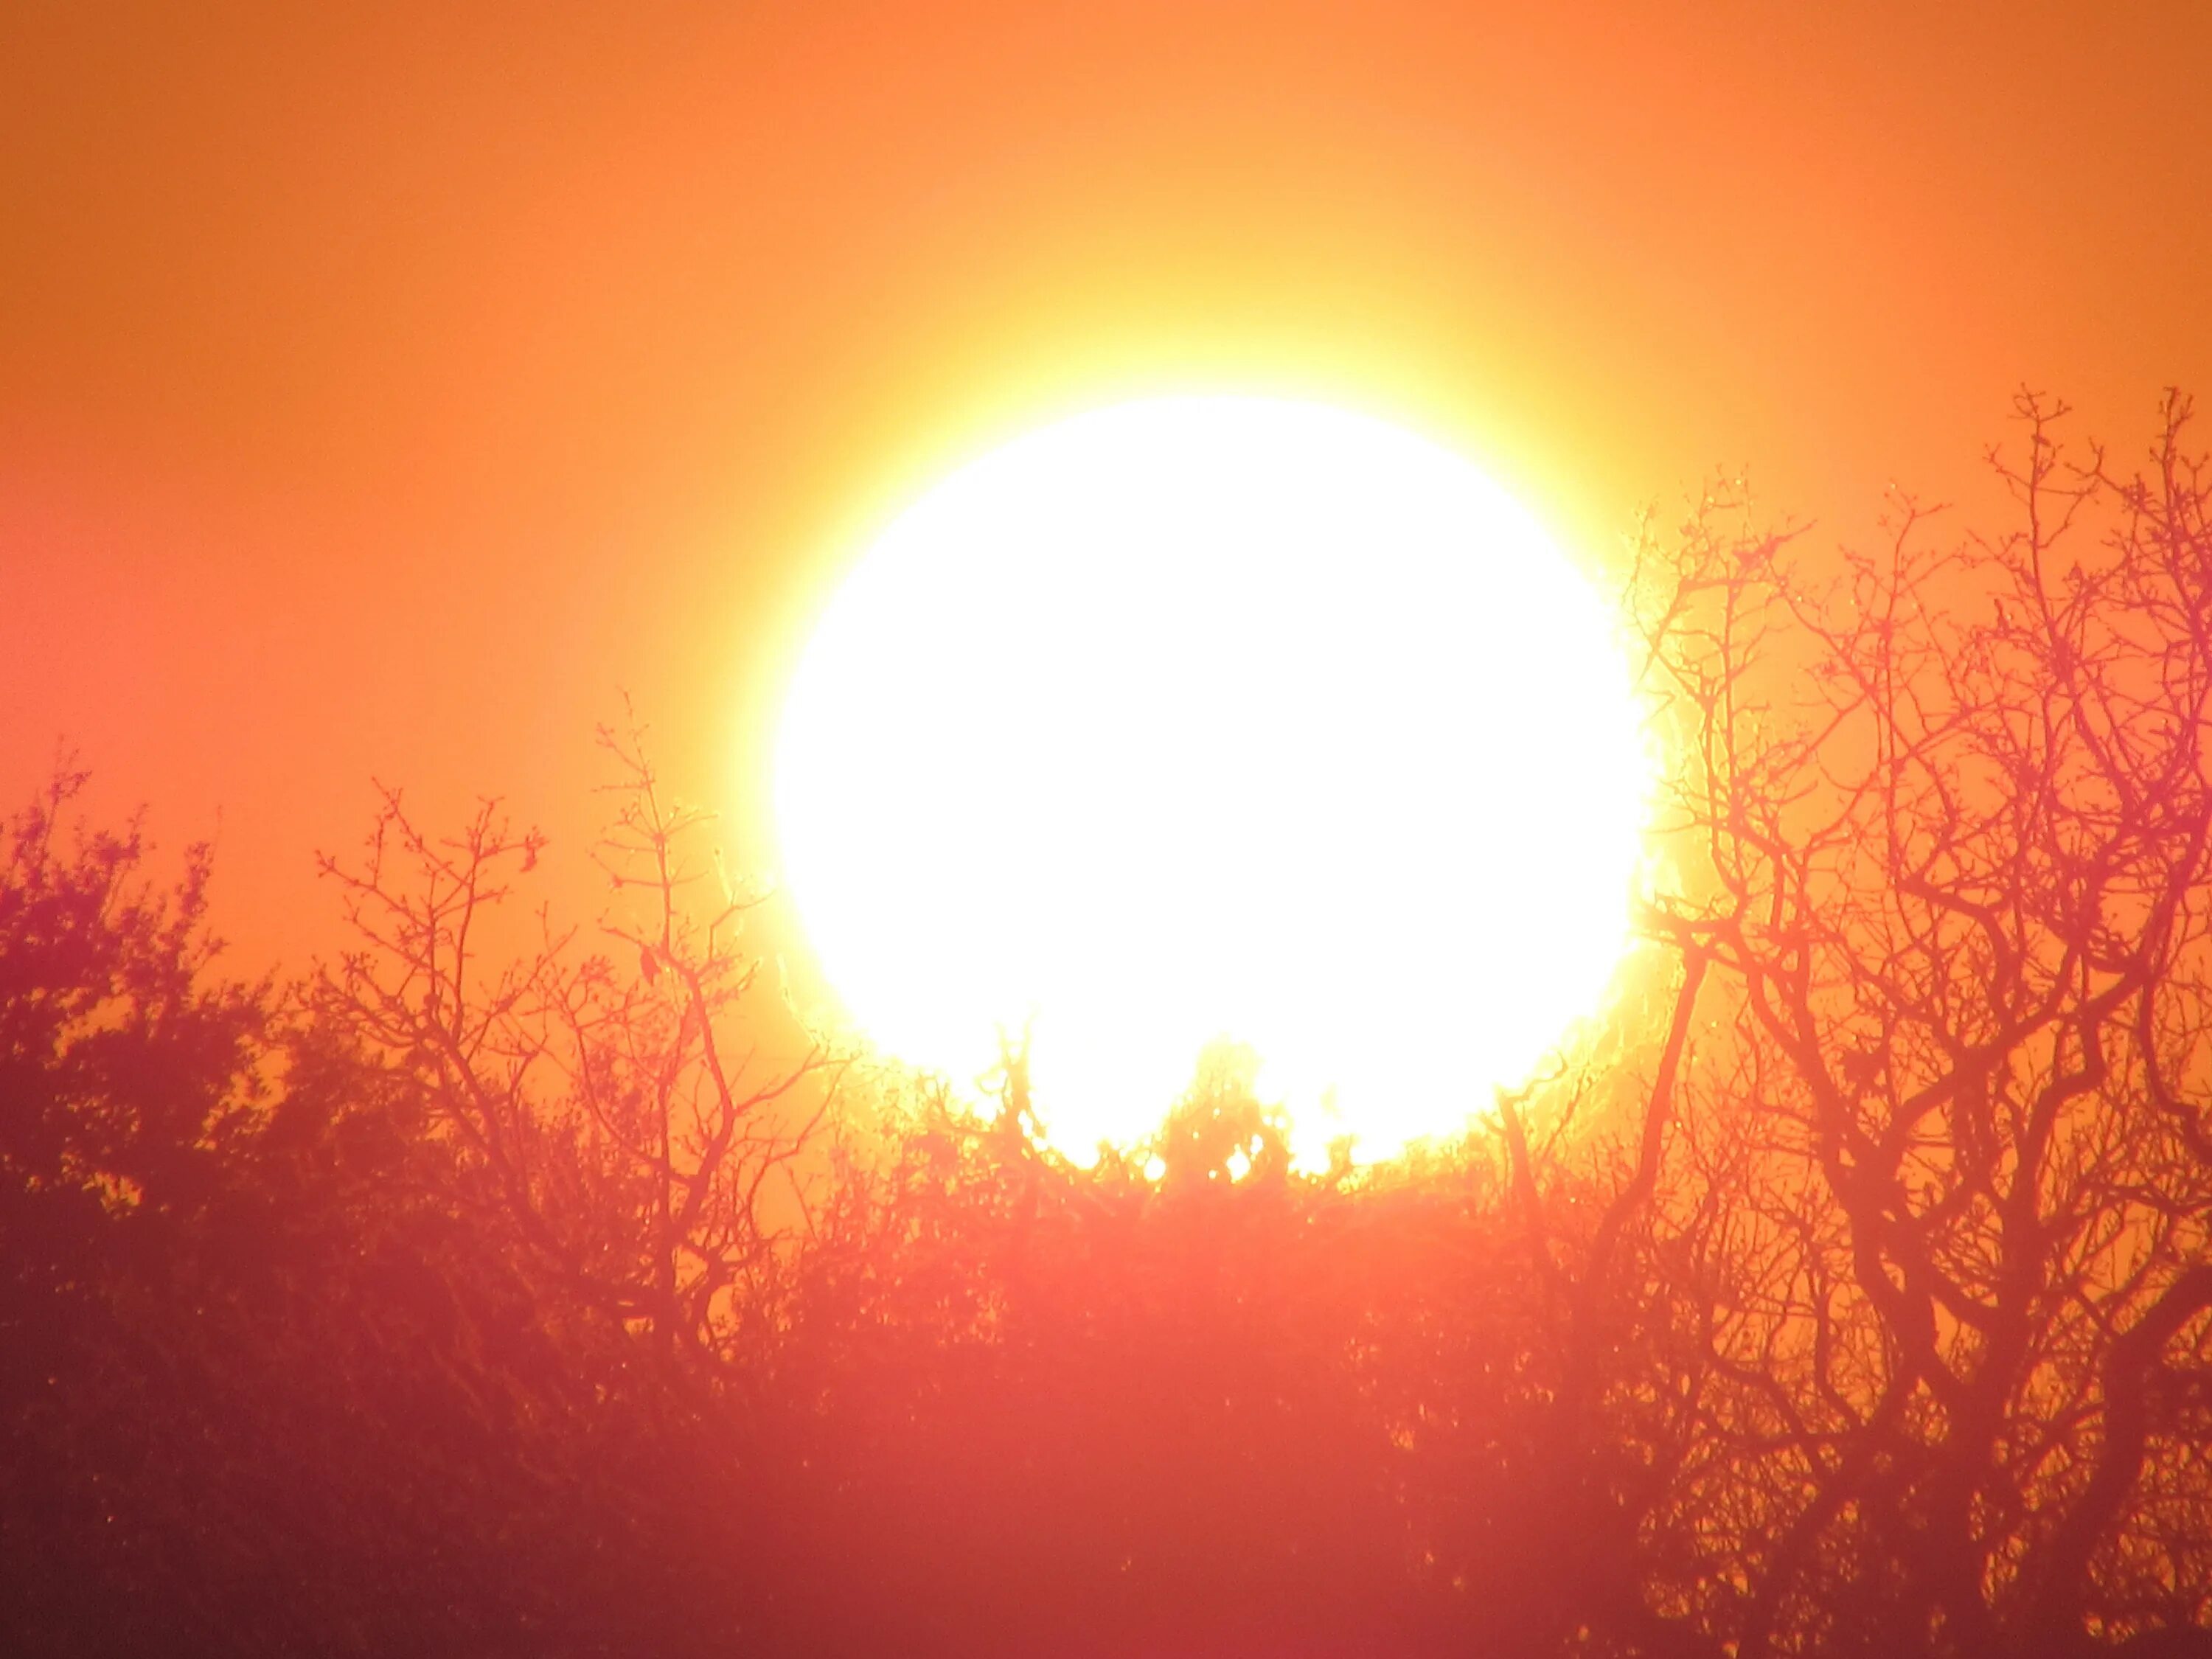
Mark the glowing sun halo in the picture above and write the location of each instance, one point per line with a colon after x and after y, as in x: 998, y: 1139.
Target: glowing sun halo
x: 1205, y: 717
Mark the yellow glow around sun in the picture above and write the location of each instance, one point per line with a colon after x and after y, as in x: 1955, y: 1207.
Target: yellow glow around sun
x: 1215, y: 716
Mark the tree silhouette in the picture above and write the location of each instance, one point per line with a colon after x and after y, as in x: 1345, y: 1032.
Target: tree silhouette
x: 609, y: 1116
x: 1930, y: 1195
x: 1851, y: 1294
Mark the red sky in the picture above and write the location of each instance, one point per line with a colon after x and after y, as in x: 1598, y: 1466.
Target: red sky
x: 382, y: 389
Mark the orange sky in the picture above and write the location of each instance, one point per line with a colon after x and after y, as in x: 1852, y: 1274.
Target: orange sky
x: 383, y: 388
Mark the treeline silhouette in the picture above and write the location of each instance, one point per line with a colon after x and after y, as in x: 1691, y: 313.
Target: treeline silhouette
x: 1852, y: 1295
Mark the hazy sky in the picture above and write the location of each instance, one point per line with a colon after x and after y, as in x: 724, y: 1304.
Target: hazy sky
x: 384, y: 388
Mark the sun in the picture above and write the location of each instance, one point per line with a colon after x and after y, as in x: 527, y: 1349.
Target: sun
x: 1207, y: 717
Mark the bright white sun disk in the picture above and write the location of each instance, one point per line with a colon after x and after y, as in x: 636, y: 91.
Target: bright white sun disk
x: 1208, y: 717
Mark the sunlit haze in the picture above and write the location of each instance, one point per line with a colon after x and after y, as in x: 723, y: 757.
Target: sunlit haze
x: 1162, y: 829
x: 1213, y: 717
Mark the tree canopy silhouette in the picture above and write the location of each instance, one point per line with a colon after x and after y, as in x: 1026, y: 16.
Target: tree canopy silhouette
x: 460, y: 1300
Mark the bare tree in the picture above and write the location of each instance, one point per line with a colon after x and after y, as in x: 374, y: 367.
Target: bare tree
x: 1914, y: 1210
x: 613, y: 1101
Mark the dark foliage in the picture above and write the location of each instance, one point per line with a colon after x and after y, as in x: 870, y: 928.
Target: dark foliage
x: 459, y: 1303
